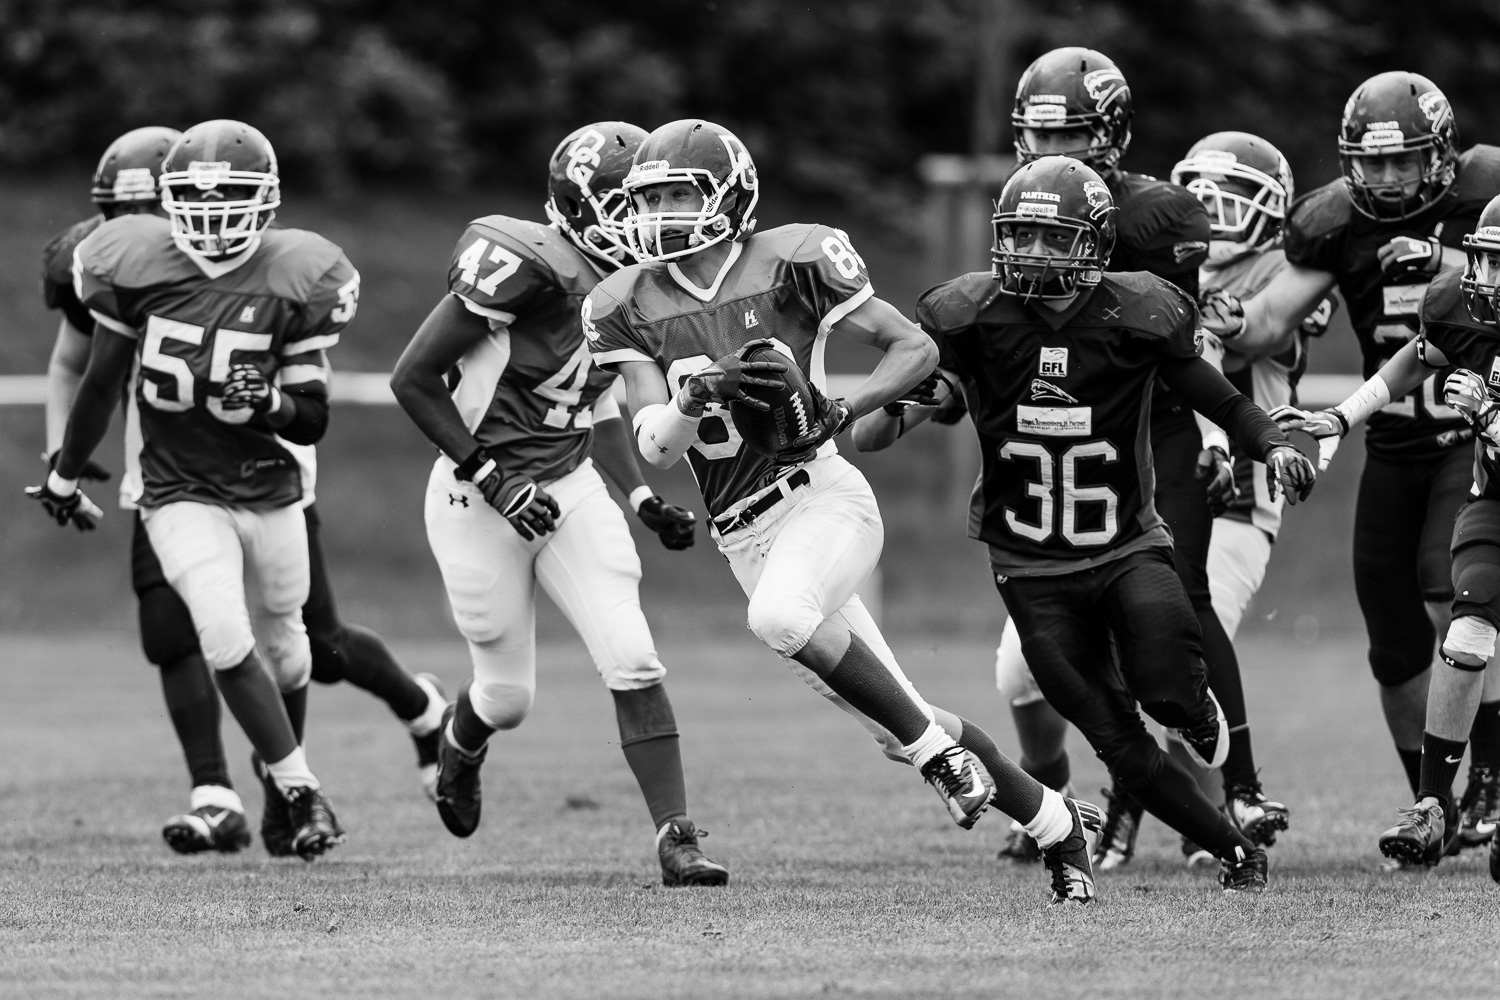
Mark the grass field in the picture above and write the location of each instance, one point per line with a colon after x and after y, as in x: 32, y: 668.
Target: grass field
x: 847, y: 878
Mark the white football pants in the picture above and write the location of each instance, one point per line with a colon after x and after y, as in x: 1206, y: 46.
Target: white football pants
x: 801, y: 562
x: 208, y: 551
x: 588, y: 566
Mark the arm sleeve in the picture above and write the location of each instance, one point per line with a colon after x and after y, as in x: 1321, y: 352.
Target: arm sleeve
x: 830, y: 276
x: 1210, y: 393
x: 330, y: 308
x: 311, y: 420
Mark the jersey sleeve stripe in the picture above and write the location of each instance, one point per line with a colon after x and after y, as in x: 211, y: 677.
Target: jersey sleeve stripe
x: 110, y: 323
x: 499, y: 315
x: 320, y: 343
x: 621, y: 354
x: 844, y: 308
x: 299, y: 374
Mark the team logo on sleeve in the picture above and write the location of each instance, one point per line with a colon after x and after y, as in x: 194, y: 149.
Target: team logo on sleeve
x: 1054, y: 362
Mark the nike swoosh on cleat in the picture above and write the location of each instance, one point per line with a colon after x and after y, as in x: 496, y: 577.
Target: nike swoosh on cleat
x: 976, y: 786
x: 1453, y: 760
x: 214, y: 821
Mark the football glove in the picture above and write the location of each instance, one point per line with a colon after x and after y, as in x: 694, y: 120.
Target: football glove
x: 1467, y: 393
x: 951, y: 410
x: 830, y: 417
x: 521, y: 502
x: 1410, y: 255
x: 1215, y: 465
x: 1221, y: 314
x: 247, y: 388
x: 1315, y: 323
x: 1327, y: 427
x: 1290, y: 470
x: 67, y: 508
x: 924, y: 393
x: 92, y: 470
x: 672, y: 524
x: 724, y: 380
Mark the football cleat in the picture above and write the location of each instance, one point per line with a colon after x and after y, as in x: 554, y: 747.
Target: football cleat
x: 1019, y: 846
x: 1121, y: 824
x: 458, y: 793
x: 316, y: 828
x: 1070, y: 860
x: 207, y: 828
x: 961, y: 784
x: 1207, y: 741
x: 1254, y: 815
x: 1247, y: 873
x: 1422, y: 836
x: 276, y: 829
x: 1195, y: 856
x: 1479, y: 809
x: 682, y: 861
x: 427, y: 743
x: 1495, y: 858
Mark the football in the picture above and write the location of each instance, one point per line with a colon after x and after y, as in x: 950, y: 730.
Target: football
x: 771, y: 432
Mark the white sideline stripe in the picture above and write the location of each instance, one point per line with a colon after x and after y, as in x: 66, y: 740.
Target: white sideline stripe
x: 374, y: 388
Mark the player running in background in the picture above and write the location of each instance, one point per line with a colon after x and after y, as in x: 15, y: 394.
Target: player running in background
x: 126, y: 182
x: 1460, y: 313
x: 800, y: 531
x: 1058, y: 360
x: 500, y: 379
x: 1396, y: 218
x: 226, y: 322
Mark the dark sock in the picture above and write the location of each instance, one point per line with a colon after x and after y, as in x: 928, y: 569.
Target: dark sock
x: 256, y: 705
x: 470, y: 732
x: 1017, y: 794
x: 648, y: 738
x: 296, y: 710
x: 1411, y: 762
x: 1043, y: 733
x: 369, y: 666
x: 193, y: 703
x: 1239, y: 766
x: 1054, y: 774
x: 861, y: 679
x: 1172, y: 795
x: 1484, y: 737
x: 1440, y: 761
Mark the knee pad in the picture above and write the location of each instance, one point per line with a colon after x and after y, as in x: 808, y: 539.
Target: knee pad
x: 784, y: 623
x: 226, y: 638
x: 288, y: 654
x: 167, y: 633
x: 1013, y: 677
x: 1469, y: 644
x: 501, y: 704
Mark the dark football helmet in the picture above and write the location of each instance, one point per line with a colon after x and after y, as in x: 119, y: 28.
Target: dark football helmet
x: 584, y: 197
x: 1391, y: 114
x: 1054, y: 229
x: 1481, y: 282
x: 1075, y: 88
x: 219, y: 187
x: 1245, y: 184
x: 708, y: 156
x: 127, y: 172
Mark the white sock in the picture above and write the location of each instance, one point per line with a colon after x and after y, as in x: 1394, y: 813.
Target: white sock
x: 432, y: 715
x: 931, y: 743
x: 292, y: 771
x: 1053, y: 821
x: 215, y: 797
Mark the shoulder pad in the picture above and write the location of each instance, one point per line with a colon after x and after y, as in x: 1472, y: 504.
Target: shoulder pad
x: 57, y: 255
x: 134, y: 251
x: 296, y: 262
x: 1478, y: 175
x: 957, y: 302
x: 1152, y: 306
x: 1444, y: 303
x: 790, y: 242
x: 1320, y: 212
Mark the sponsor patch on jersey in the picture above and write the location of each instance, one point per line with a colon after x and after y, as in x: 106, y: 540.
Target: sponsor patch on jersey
x: 1186, y: 249
x: 1397, y: 332
x: 1403, y: 300
x: 1495, y: 372
x: 1042, y: 390
x: 1054, y: 362
x: 1055, y: 421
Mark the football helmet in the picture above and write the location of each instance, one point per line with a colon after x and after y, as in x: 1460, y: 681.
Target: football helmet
x: 711, y: 158
x: 219, y: 187
x: 128, y: 170
x: 584, y: 197
x: 1481, y: 282
x: 1075, y: 87
x: 1245, y: 184
x: 1390, y: 114
x: 1054, y: 229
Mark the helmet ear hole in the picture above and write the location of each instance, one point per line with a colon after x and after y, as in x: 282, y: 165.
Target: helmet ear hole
x: 573, y: 207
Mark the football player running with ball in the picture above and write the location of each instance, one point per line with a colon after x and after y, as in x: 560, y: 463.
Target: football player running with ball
x: 1395, y: 219
x: 800, y: 528
x: 1460, y: 336
x: 226, y: 320
x: 1057, y: 360
x: 500, y: 379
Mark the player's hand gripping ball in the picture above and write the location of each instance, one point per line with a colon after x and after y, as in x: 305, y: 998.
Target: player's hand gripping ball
x: 744, y: 378
x: 771, y: 417
x: 672, y: 524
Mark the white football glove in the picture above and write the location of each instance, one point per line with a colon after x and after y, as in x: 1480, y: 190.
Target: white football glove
x: 1327, y: 427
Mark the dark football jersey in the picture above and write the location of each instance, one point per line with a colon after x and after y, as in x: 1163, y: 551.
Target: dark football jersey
x: 57, y: 273
x: 1466, y: 343
x: 1161, y: 229
x: 1062, y: 414
x: 1325, y: 232
x: 292, y: 296
x: 790, y: 285
x: 527, y: 391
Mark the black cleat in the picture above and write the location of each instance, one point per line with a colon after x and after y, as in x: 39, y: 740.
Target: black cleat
x: 207, y: 828
x: 1423, y: 836
x: 316, y: 829
x: 1479, y: 809
x: 1247, y: 873
x: 1020, y: 846
x: 276, y: 828
x: 458, y: 793
x: 427, y: 744
x: 1207, y: 740
x: 1070, y: 860
x: 1121, y: 824
x: 682, y: 861
x: 961, y: 783
x: 1254, y: 815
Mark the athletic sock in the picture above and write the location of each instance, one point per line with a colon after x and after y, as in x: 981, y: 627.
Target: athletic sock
x: 1239, y: 765
x: 656, y: 762
x: 215, y: 797
x: 1411, y: 762
x: 296, y: 710
x: 370, y: 666
x: 927, y: 746
x: 256, y: 705
x: 1053, y: 820
x: 468, y: 733
x: 1440, y: 761
x: 193, y: 704
x: 430, y: 717
x: 1017, y: 794
x: 1484, y: 737
x: 292, y: 771
x: 864, y: 681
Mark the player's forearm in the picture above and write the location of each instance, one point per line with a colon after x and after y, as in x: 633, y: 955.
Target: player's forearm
x: 614, y: 452
x: 1209, y: 393
x: 70, y: 356
x: 906, y: 362
x: 87, y: 423
x: 425, y: 399
x: 1398, y: 376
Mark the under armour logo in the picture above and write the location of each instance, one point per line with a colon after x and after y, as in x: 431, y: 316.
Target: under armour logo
x: 457, y: 500
x: 247, y: 314
x: 1112, y: 313
x: 750, y: 319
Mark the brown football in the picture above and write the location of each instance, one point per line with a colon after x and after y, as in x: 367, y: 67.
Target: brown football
x: 771, y: 432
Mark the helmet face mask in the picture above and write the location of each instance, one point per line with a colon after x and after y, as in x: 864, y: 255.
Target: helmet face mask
x: 1073, y: 89
x: 1245, y: 185
x: 715, y: 165
x: 220, y: 188
x: 1480, y: 284
x: 584, y: 197
x: 1054, y: 229
x: 1398, y: 145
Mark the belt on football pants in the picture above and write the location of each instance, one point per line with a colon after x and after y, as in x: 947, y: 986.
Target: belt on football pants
x: 726, y: 523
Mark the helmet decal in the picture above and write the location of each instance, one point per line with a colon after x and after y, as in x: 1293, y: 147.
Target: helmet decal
x: 1437, y: 109
x: 1099, y: 199
x: 583, y: 158
x: 134, y: 182
x: 1105, y: 86
x: 744, y: 167
x: 584, y: 199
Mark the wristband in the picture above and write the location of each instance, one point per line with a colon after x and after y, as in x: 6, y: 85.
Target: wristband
x: 640, y: 495
x: 476, y: 468
x: 59, y: 486
x: 1368, y: 398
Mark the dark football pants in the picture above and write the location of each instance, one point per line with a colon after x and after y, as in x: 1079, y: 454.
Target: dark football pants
x: 1476, y: 561
x: 1403, y: 528
x: 1065, y: 623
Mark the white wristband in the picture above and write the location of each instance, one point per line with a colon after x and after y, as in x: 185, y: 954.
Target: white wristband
x: 61, y: 487
x: 640, y: 495
x: 663, y: 433
x: 1367, y: 399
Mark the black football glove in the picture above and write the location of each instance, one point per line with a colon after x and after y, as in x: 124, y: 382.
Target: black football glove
x: 672, y: 524
x: 924, y: 393
x: 1290, y: 470
x: 1410, y: 255
x: 1221, y: 489
x: 92, y: 470
x: 830, y: 417
x: 74, y: 508
x: 725, y: 379
x: 247, y: 388
x: 521, y: 502
x: 951, y: 410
